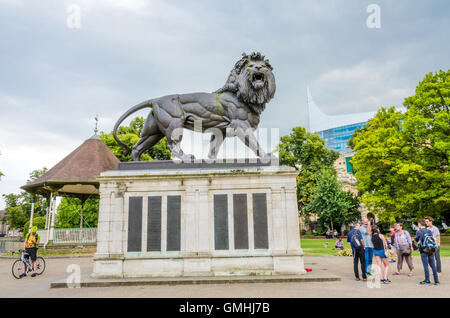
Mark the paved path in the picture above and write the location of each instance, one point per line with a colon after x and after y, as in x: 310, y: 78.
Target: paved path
x: 402, y: 286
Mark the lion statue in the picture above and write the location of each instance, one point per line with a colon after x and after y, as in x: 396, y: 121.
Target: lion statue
x: 233, y: 110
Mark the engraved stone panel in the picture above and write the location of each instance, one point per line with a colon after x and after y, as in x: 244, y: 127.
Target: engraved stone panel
x: 240, y: 221
x: 220, y: 222
x: 154, y: 224
x: 173, y: 222
x: 134, y: 224
x: 260, y: 220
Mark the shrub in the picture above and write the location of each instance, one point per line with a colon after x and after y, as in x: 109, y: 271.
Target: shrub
x: 345, y: 252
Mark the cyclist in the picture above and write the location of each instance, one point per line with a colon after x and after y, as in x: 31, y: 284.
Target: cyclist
x: 31, y: 246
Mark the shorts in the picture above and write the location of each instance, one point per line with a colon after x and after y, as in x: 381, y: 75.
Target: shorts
x: 32, y: 252
x: 380, y: 253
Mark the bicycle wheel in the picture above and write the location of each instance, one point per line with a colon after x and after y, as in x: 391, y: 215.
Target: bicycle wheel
x: 40, y: 265
x: 18, y: 269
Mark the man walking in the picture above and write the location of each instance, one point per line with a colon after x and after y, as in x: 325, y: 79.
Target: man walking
x: 357, y: 244
x: 437, y: 237
x: 427, y: 259
x: 368, y: 250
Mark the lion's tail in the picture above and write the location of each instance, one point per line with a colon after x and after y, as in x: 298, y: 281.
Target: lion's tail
x: 146, y: 104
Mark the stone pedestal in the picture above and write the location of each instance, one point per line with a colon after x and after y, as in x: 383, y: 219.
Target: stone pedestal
x: 208, y: 221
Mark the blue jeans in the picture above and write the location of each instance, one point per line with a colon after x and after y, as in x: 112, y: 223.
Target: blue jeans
x: 368, y: 257
x: 429, y: 260
x: 437, y: 257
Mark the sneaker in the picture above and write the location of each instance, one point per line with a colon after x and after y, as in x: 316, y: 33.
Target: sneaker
x: 33, y: 275
x: 387, y: 281
x: 382, y: 281
x: 369, y: 274
x: 424, y: 283
x: 23, y: 275
x: 436, y: 284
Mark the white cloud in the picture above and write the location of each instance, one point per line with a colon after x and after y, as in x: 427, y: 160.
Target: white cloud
x: 361, y: 88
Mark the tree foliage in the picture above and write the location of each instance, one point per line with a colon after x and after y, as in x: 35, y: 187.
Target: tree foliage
x: 332, y: 205
x: 305, y: 152
x: 69, y: 213
x: 18, y: 206
x: 38, y: 221
x: 130, y: 135
x: 401, y: 159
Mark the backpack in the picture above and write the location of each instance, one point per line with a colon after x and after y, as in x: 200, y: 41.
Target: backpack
x: 428, y: 243
x: 356, y: 242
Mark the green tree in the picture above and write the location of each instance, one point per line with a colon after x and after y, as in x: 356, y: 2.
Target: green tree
x: 69, y: 213
x: 16, y: 214
x: 38, y: 221
x: 333, y: 206
x: 401, y: 159
x: 130, y: 135
x: 305, y: 152
x: 18, y: 206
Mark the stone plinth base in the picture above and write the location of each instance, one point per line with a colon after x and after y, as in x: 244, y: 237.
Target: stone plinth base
x: 220, y: 221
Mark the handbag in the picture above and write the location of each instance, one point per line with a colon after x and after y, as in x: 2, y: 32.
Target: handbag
x: 404, y: 250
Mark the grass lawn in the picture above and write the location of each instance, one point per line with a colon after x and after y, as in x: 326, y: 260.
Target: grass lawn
x: 60, y: 252
x: 316, y: 247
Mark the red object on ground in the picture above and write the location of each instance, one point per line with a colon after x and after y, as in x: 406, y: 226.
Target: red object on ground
x: 308, y: 269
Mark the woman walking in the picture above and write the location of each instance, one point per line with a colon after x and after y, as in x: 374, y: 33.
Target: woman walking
x: 379, y: 251
x: 404, y: 247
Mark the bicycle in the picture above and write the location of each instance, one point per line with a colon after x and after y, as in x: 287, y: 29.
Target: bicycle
x: 24, y: 265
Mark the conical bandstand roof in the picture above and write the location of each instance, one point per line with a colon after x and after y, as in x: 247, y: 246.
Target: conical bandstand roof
x: 76, y: 174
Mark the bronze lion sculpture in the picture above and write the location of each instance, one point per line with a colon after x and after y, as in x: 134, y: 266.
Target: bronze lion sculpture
x: 233, y: 110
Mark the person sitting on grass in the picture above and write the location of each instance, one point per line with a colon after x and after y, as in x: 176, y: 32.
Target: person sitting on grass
x: 31, y: 245
x: 339, y: 244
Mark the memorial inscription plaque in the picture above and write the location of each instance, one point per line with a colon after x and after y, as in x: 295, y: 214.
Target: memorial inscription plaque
x: 134, y: 224
x: 154, y: 224
x: 220, y: 222
x: 240, y: 221
x: 260, y: 231
x: 173, y: 222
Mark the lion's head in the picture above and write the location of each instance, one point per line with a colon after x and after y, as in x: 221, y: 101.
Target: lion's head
x: 252, y: 80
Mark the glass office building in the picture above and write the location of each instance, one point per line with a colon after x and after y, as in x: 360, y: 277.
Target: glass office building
x: 337, y: 138
x: 337, y: 129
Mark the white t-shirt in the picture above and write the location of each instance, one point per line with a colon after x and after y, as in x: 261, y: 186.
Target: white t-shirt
x: 435, y: 232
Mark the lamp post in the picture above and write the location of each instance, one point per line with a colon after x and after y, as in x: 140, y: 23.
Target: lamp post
x: 32, y: 211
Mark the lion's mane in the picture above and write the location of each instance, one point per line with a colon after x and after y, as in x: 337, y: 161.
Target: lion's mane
x: 239, y: 82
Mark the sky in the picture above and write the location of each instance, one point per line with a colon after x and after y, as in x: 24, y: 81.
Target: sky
x: 63, y: 62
